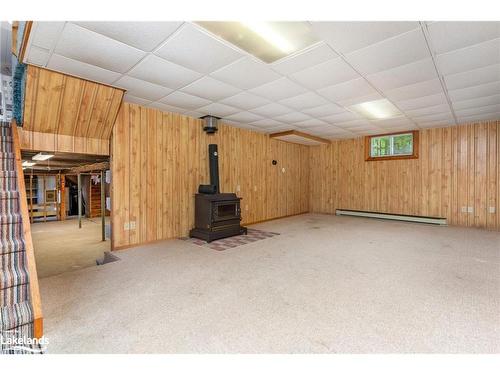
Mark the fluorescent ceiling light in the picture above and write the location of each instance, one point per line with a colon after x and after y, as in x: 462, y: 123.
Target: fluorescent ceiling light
x: 268, y: 41
x: 28, y: 163
x: 42, y: 156
x: 376, y: 110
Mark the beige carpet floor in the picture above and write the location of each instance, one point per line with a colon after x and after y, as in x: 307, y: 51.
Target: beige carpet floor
x: 326, y: 285
x: 60, y: 246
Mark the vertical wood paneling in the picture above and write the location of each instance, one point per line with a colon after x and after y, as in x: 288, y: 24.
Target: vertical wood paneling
x: 457, y: 168
x: 159, y: 159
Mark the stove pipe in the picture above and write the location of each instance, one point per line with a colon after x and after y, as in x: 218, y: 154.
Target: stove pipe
x: 213, y: 158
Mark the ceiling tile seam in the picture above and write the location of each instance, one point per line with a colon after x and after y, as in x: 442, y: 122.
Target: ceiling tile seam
x: 425, y: 31
x: 468, y: 47
x: 380, y: 92
x: 341, y: 55
x: 52, y: 48
x: 147, y: 54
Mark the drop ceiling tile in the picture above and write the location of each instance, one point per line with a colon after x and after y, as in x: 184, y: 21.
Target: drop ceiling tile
x: 38, y: 56
x: 480, y: 117
x: 244, y: 117
x: 211, y: 89
x: 310, y: 123
x: 135, y: 100
x: 80, y: 44
x: 350, y: 36
x: 400, y: 50
x: 324, y: 110
x: 352, y: 124
x: 397, y: 122
x: 428, y: 110
x: 487, y: 89
x: 162, y: 72
x: 193, y: 114
x: 494, y: 108
x: 268, y: 123
x: 166, y: 108
x: 183, y: 100
x: 303, y: 101
x: 421, y: 102
x: 81, y: 69
x: 473, y: 77
x: 245, y: 100
x: 44, y: 34
x: 324, y: 129
x: 434, y: 117
x: 142, y: 35
x: 310, y: 57
x: 142, y: 89
x: 477, y: 102
x: 196, y: 49
x: 218, y: 109
x: 246, y: 73
x: 416, y: 90
x: 436, y: 124
x: 351, y: 89
x: 361, y: 99
x: 474, y: 57
x: 341, y: 117
x: 280, y: 89
x: 271, y: 110
x: 292, y: 117
x: 325, y: 74
x: 244, y: 126
x: 404, y: 75
x: 449, y: 36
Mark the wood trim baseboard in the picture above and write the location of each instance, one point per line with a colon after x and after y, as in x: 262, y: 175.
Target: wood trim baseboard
x: 125, y: 247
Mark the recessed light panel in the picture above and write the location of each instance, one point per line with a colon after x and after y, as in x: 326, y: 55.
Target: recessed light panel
x: 268, y: 41
x: 376, y: 110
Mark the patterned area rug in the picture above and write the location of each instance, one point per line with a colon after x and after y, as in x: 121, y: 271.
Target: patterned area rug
x: 230, y: 242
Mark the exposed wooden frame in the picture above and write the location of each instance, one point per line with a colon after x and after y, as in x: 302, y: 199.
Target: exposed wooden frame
x: 368, y: 139
x: 89, y: 168
x: 300, y: 134
x: 36, y: 302
x: 24, y: 43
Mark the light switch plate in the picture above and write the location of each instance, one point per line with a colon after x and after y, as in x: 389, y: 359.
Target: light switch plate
x: 492, y: 210
x: 126, y: 226
x: 464, y: 209
x: 132, y: 225
x: 470, y: 209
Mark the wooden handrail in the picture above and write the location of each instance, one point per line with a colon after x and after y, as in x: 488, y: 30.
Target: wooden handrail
x: 30, y: 254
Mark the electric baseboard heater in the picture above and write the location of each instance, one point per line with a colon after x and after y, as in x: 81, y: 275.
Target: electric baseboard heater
x: 386, y: 216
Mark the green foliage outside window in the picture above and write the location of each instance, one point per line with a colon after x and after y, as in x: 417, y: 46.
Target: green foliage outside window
x: 389, y: 145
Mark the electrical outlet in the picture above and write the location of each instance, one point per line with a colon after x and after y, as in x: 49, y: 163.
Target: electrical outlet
x: 132, y: 225
x: 238, y: 188
x: 464, y: 210
x: 126, y: 226
x: 470, y: 209
x: 491, y: 210
x: 283, y: 170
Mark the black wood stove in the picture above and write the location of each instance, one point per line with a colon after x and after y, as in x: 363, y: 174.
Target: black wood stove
x: 217, y: 215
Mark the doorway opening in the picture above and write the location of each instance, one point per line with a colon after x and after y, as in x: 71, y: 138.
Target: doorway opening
x: 69, y: 209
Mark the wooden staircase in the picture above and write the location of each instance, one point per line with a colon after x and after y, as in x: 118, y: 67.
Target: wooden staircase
x: 20, y: 306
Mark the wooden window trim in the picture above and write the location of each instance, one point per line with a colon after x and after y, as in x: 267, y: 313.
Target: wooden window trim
x: 368, y: 140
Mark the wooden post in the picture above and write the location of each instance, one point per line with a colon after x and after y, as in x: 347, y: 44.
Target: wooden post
x: 103, y: 207
x: 79, y: 201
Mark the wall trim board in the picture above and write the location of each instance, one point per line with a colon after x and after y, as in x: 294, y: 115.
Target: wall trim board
x: 158, y: 159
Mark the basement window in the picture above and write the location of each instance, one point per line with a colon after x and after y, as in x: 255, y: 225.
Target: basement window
x: 402, y: 145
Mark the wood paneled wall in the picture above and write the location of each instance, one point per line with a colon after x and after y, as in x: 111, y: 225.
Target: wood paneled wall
x: 36, y: 141
x: 458, y: 167
x: 158, y: 160
x: 62, y: 104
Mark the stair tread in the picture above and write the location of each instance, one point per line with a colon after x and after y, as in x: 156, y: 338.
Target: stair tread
x: 10, y: 218
x: 11, y: 245
x: 15, y: 315
x: 12, y: 273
